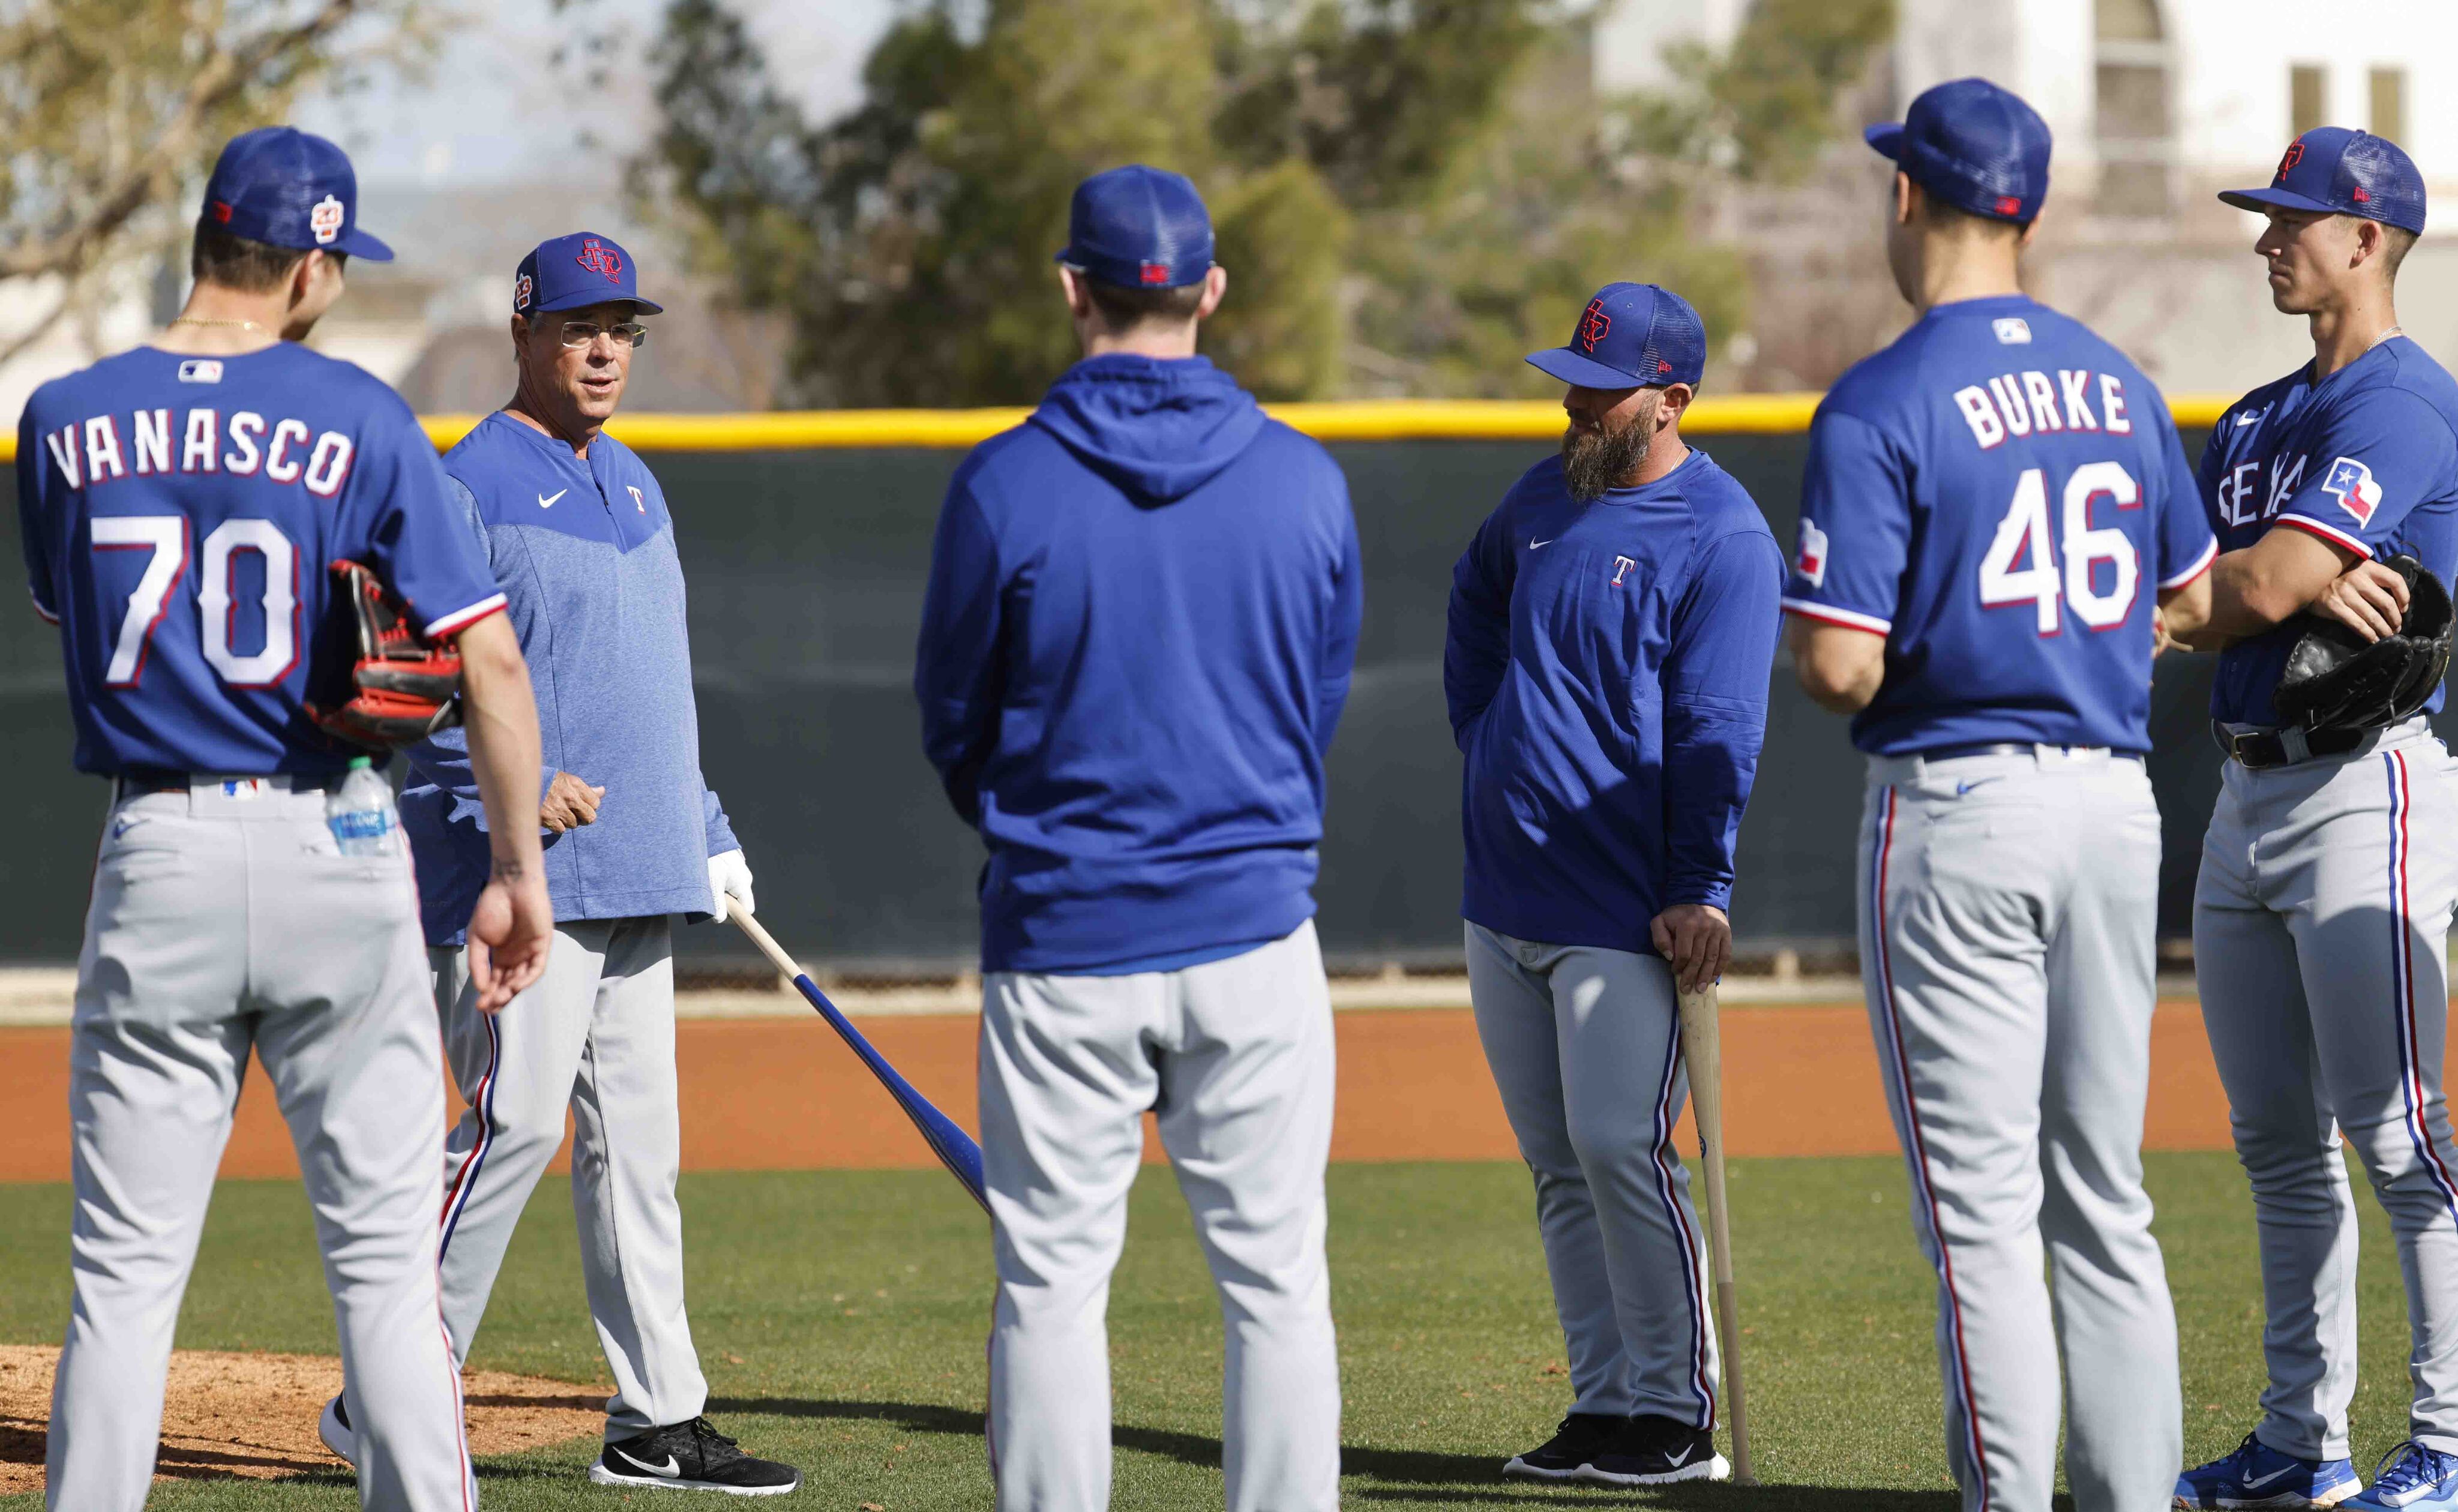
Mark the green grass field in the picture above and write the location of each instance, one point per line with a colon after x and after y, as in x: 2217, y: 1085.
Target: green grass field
x: 856, y: 1304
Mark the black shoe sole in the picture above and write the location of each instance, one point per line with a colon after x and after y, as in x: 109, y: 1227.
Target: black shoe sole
x: 605, y: 1477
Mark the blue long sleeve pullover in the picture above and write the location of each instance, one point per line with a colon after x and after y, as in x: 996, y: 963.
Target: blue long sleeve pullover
x: 1142, y: 613
x: 585, y: 552
x: 1606, y: 672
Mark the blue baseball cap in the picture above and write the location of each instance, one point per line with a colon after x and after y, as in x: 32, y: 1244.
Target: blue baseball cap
x: 1140, y: 228
x: 1630, y: 336
x: 574, y: 272
x: 285, y: 188
x: 2343, y: 173
x: 1976, y: 146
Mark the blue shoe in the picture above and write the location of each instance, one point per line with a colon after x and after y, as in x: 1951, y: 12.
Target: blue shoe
x: 2412, y: 1476
x: 2257, y: 1475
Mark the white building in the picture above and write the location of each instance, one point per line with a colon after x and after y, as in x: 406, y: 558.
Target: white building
x: 2156, y: 106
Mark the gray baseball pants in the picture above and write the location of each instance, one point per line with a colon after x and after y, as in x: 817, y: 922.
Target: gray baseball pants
x: 2321, y: 923
x: 221, y: 921
x: 2006, y: 913
x: 1236, y: 1058
x: 594, y: 1033
x: 1585, y: 1044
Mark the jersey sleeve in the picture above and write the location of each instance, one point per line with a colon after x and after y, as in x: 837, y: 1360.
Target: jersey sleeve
x: 958, y: 674
x: 1847, y: 567
x: 2374, y: 461
x: 1476, y: 649
x: 1714, y: 678
x: 2184, y: 541
x: 1337, y: 663
x: 420, y: 529
x: 31, y: 531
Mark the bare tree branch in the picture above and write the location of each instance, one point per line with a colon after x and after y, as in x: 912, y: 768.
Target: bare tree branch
x: 223, y: 74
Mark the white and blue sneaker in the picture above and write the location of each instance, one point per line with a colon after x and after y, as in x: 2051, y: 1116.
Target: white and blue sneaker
x: 2412, y: 1476
x: 2257, y: 1475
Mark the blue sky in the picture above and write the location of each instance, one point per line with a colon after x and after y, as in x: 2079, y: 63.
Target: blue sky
x: 492, y: 110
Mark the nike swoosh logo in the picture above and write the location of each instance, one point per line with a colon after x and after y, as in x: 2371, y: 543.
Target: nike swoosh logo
x: 672, y: 1469
x: 1962, y: 788
x: 2242, y: 420
x: 1534, y: 544
x: 2257, y: 1482
x: 545, y: 501
x: 1678, y: 1460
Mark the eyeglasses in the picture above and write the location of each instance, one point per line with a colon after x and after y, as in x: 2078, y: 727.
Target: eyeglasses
x: 581, y: 333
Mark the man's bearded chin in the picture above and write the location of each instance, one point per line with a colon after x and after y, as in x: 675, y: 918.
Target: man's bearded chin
x: 1593, y: 462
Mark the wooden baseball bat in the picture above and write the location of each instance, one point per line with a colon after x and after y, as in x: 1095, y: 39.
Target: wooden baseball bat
x: 1702, y: 1053
x: 956, y: 1149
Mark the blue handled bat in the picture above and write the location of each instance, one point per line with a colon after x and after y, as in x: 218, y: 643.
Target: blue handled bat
x: 954, y: 1148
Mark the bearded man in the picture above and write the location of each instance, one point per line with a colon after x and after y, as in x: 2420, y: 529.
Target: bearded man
x: 1611, y: 629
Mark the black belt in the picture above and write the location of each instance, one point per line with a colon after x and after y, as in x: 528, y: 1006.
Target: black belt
x: 138, y: 780
x: 2257, y: 749
x: 1992, y: 748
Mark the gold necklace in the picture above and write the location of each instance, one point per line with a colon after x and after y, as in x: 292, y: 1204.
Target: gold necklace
x: 196, y: 320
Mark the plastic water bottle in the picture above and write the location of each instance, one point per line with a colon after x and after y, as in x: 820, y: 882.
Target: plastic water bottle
x: 360, y: 814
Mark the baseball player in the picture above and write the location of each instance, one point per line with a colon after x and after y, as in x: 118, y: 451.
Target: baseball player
x: 180, y: 503
x: 1143, y: 608
x: 1611, y: 629
x: 578, y: 530
x: 1992, y: 504
x: 2322, y: 910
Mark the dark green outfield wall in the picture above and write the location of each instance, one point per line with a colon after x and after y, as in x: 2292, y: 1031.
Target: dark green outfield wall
x: 806, y: 572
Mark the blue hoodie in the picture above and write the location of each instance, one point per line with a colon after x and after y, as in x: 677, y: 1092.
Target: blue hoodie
x: 1606, y: 672
x: 1142, y: 613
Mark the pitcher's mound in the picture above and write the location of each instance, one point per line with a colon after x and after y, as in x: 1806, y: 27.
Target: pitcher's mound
x: 255, y: 1415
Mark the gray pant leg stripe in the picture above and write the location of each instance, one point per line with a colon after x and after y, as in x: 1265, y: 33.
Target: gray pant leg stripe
x: 1690, y: 1278
x: 1883, y: 851
x: 466, y: 1182
x: 2411, y: 1078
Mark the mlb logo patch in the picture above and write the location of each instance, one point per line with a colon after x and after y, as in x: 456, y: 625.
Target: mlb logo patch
x: 201, y: 370
x: 2351, y: 483
x: 325, y: 220
x: 1810, y: 561
x: 2012, y: 331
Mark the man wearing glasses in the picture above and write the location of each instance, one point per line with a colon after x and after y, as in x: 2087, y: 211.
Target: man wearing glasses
x: 577, y: 530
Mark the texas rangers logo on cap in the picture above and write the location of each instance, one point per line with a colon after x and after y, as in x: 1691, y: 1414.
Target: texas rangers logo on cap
x: 2294, y: 154
x: 2351, y: 483
x: 1594, y: 325
x: 325, y: 220
x: 602, y: 259
x: 522, y: 287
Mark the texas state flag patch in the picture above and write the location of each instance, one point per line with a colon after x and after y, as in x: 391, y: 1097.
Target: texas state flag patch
x: 2351, y: 483
x: 1810, y: 561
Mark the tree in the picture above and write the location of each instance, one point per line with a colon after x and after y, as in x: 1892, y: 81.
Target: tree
x: 111, y: 108
x: 1409, y: 193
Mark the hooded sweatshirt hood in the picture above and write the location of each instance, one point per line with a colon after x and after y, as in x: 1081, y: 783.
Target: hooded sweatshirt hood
x: 1158, y: 427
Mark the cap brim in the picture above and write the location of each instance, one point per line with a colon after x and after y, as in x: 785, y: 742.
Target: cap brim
x: 366, y: 248
x: 2260, y: 199
x: 583, y: 301
x: 1886, y: 140
x: 1560, y: 362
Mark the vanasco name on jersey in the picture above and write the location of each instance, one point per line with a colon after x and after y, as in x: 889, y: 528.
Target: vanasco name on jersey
x: 91, y: 452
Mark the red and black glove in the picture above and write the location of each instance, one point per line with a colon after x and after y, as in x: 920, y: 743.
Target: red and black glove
x: 376, y: 681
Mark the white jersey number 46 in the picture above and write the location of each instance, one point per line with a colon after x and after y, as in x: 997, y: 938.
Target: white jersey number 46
x: 2052, y: 577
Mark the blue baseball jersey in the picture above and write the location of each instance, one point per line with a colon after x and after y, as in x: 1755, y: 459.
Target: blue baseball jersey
x: 180, y: 514
x: 2366, y: 458
x: 2001, y: 495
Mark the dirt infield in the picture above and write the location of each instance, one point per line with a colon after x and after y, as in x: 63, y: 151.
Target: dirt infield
x: 254, y: 1416
x: 784, y: 1094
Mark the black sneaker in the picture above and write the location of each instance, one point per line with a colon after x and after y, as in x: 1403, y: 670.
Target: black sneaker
x: 691, y: 1456
x: 1562, y: 1456
x: 1658, y: 1450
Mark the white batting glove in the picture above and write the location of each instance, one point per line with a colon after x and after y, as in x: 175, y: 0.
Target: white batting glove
x: 730, y: 876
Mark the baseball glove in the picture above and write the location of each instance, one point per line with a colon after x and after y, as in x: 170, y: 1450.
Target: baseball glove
x: 2336, y: 680
x: 377, y: 683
